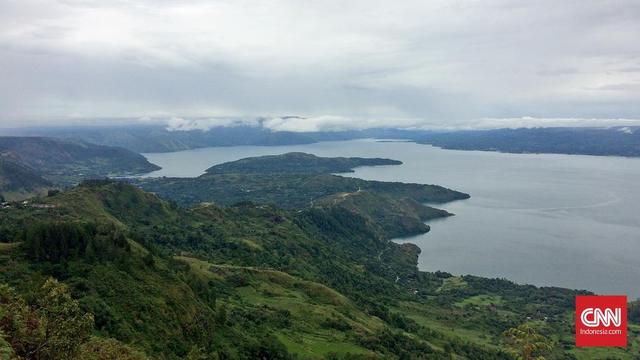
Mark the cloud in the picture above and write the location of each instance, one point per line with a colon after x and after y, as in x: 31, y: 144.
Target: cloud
x: 620, y: 87
x: 329, y: 123
x: 182, y: 124
x: 336, y: 123
x: 532, y: 122
x: 440, y: 61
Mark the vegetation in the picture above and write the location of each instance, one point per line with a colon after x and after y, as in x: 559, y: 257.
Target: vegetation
x: 298, y: 181
x: 250, y: 281
x: 395, y: 217
x: 67, y: 162
x: 302, y: 183
x: 157, y: 138
x: 54, y: 328
x: 296, y: 162
x: 18, y: 182
x: 527, y: 343
x: 619, y: 141
x: 106, y: 270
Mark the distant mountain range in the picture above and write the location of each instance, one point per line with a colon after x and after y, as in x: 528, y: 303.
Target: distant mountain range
x: 157, y: 138
x: 617, y: 141
x: 30, y: 165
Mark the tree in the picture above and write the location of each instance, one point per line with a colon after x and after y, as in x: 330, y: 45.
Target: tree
x: 53, y: 329
x: 197, y: 353
x: 527, y: 342
x: 634, y: 311
x: 108, y: 349
x: 6, y: 352
x: 66, y: 327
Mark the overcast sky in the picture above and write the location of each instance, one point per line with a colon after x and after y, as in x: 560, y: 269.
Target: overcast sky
x: 338, y: 63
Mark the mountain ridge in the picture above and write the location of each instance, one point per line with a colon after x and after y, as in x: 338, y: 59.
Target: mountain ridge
x: 67, y: 162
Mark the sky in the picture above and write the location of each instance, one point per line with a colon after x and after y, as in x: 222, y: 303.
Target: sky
x: 334, y: 64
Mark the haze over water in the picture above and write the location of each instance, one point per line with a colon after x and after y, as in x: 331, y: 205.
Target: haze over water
x: 560, y: 220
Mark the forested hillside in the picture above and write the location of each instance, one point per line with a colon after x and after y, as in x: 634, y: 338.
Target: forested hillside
x: 31, y: 165
x: 296, y: 162
x: 615, y: 141
x: 611, y: 141
x: 302, y: 181
x: 142, y: 277
x: 18, y: 182
x: 160, y: 138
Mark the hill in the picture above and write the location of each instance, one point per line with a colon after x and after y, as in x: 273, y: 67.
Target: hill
x: 299, y: 181
x: 157, y: 138
x: 249, y: 281
x: 396, y: 217
x: 289, y: 191
x: 292, y: 180
x: 616, y: 141
x: 296, y: 162
x: 67, y: 162
x: 145, y: 138
x: 18, y: 182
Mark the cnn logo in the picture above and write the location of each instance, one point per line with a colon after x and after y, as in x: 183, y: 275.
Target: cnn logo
x: 591, y: 317
x: 601, y: 321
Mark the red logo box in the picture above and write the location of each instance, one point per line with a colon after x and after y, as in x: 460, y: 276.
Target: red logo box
x: 601, y: 321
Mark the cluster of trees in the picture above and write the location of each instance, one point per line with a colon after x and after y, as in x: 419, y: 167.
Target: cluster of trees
x: 287, y: 190
x: 634, y: 311
x: 61, y: 240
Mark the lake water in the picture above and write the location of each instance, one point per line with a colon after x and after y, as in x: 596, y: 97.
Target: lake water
x: 561, y: 220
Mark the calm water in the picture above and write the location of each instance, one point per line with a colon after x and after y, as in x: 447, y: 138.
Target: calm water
x: 571, y: 221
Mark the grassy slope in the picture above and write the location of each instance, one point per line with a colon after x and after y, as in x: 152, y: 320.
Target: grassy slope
x: 306, y: 305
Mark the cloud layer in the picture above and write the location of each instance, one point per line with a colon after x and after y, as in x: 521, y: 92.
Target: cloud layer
x: 338, y: 123
x: 338, y: 64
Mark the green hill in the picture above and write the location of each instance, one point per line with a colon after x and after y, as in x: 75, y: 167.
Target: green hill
x: 296, y: 162
x: 291, y: 181
x: 67, y: 162
x: 395, y: 216
x: 18, y: 182
x: 249, y: 281
x: 299, y: 181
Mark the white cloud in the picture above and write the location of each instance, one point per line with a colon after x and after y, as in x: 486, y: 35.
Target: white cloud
x: 182, y: 124
x: 336, y: 123
x: 532, y: 122
x: 340, y: 123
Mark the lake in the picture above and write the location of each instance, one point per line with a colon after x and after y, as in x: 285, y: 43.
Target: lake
x: 558, y: 220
